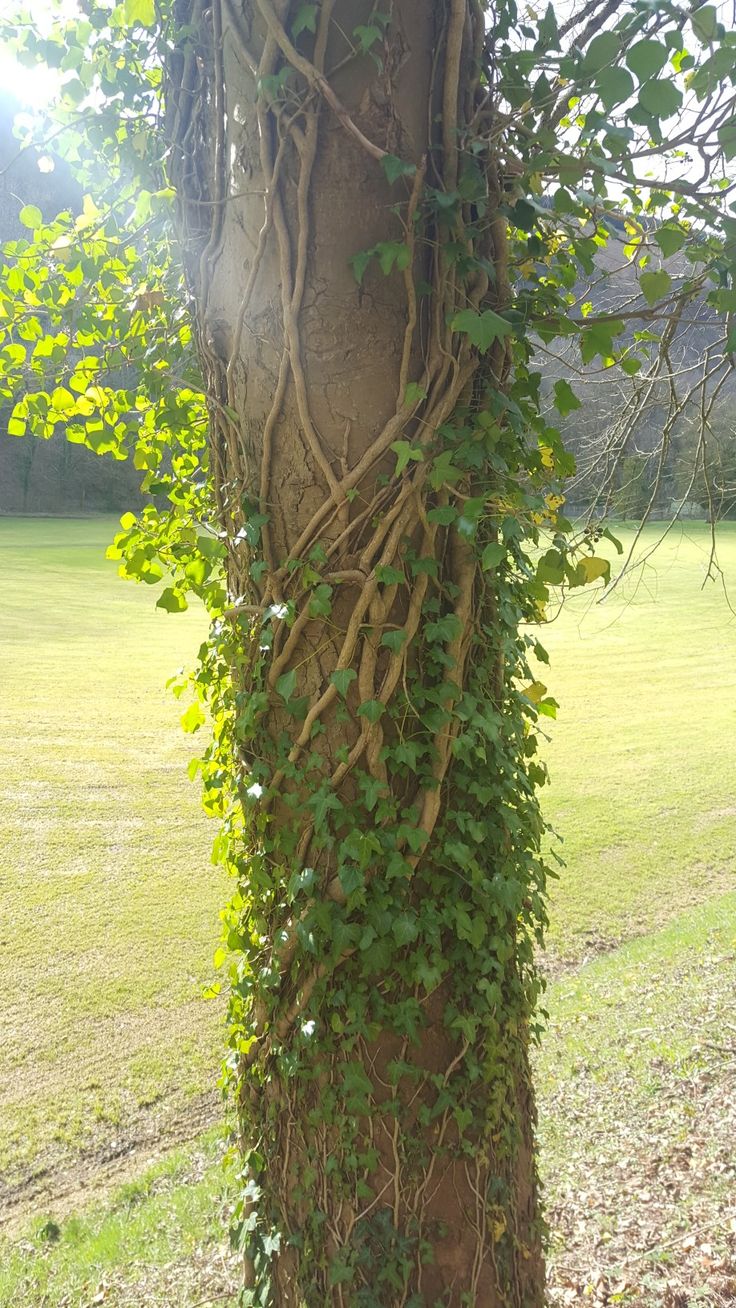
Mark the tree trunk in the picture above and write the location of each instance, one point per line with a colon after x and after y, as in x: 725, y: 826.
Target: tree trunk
x: 389, y: 889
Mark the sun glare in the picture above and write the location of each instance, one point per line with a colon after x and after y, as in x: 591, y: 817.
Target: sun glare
x: 32, y: 87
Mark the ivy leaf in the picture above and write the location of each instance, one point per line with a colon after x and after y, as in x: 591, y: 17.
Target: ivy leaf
x: 172, y: 600
x: 404, y: 929
x: 367, y: 36
x: 342, y: 678
x: 655, y: 285
x: 286, y: 684
x: 705, y: 23
x: 394, y: 167
x: 31, y: 216
x: 565, y: 398
x: 444, y: 514
x: 305, y: 20
x: 371, y: 709
x: 351, y: 878
x: 647, y: 58
x: 359, y: 262
x: 320, y: 604
x: 139, y: 11
x: 492, y: 555
x: 389, y: 576
x: 393, y: 252
x: 482, y: 328
x: 406, y: 453
x: 393, y: 640
x: 660, y: 98
x: 414, y: 393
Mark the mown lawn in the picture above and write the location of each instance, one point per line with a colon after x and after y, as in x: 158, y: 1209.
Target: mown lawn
x: 111, y: 911
x: 643, y: 753
x: 108, y: 899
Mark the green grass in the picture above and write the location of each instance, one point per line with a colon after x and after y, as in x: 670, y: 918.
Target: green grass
x: 107, y: 894
x: 643, y: 753
x: 160, y: 1240
x: 111, y: 902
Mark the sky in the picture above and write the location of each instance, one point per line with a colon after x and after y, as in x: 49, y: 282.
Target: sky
x: 32, y: 87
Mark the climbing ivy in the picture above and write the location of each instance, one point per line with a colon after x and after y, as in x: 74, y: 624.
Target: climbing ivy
x: 392, y: 882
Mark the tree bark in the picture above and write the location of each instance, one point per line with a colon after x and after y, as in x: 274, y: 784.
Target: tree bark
x: 387, y: 1112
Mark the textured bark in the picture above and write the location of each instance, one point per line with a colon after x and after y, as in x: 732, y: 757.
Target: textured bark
x: 306, y: 371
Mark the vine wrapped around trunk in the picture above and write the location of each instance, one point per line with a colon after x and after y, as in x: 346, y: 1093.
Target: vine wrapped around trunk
x: 367, y: 461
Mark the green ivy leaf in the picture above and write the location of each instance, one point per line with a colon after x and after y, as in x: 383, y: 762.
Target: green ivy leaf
x: 371, y: 709
x: 413, y: 394
x: 482, y: 328
x: 389, y: 576
x: 444, y: 514
x: 404, y: 929
x: 320, y: 604
x: 395, y: 167
x: 655, y: 285
x: 367, y: 36
x: 342, y: 678
x: 359, y: 262
x: 305, y: 20
x: 286, y: 684
x: 392, y: 253
x: 405, y: 453
x: 393, y: 640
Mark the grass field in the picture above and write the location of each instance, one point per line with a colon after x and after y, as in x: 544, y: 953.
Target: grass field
x: 108, y: 899
x: 108, y: 1052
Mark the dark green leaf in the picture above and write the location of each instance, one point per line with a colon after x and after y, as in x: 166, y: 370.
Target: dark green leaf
x: 660, y: 98
x: 493, y: 554
x: 565, y: 398
x: 647, y: 58
x: 705, y: 23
